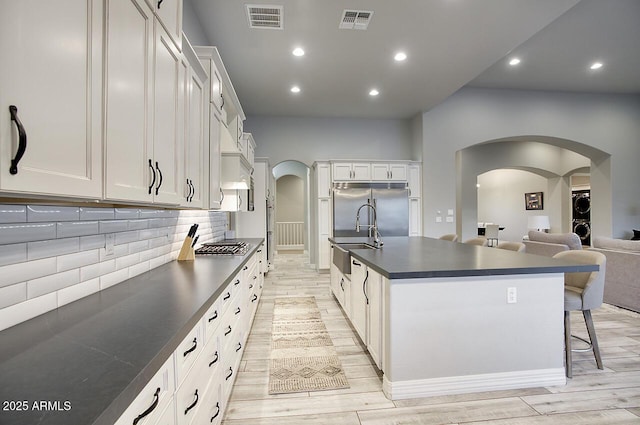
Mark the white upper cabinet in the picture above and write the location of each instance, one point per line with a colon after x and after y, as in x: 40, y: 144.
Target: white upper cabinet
x: 52, y: 74
x: 143, y: 127
x: 414, y: 178
x: 357, y: 171
x: 169, y: 13
x: 388, y: 172
x: 323, y: 179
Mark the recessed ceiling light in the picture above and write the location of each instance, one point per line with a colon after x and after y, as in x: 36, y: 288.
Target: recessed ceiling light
x: 374, y: 92
x: 295, y: 89
x: 400, y: 56
x: 514, y: 61
x: 298, y: 51
x: 596, y: 65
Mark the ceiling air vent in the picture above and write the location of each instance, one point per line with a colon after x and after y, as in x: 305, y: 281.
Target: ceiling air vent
x: 355, y: 19
x: 265, y: 16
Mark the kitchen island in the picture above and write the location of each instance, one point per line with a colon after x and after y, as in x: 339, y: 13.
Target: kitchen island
x: 88, y: 361
x: 441, y: 317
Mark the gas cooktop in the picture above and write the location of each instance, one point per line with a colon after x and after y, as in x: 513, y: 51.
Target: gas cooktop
x: 226, y: 247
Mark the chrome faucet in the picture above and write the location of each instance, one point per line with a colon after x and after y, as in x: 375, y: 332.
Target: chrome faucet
x: 377, y: 242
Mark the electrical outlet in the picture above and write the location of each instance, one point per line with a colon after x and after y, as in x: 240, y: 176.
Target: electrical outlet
x: 512, y: 296
x: 110, y: 241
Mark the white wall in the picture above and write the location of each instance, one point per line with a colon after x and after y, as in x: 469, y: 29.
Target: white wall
x: 290, y: 195
x: 191, y: 26
x: 313, y: 139
x: 609, y: 123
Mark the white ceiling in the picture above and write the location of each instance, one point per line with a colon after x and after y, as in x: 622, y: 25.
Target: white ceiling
x: 449, y: 43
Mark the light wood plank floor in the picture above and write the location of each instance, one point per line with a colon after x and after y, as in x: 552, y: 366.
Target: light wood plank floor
x: 609, y: 396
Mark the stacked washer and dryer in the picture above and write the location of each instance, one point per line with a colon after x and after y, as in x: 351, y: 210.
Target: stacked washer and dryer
x: 581, y: 200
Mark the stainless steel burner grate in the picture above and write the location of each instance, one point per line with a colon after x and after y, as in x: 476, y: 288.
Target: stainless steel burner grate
x: 223, y: 248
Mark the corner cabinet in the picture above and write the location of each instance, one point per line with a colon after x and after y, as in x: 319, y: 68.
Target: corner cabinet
x: 56, y: 89
x: 143, y: 128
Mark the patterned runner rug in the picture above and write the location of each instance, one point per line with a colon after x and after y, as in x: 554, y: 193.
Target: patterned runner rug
x: 303, y: 357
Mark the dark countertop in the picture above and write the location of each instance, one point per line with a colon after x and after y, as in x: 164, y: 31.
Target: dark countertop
x: 420, y: 257
x: 100, y: 351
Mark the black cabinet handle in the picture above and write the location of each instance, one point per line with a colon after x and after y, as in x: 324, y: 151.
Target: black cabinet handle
x: 255, y: 277
x: 222, y: 96
x: 192, y: 404
x: 214, y: 317
x: 364, y: 287
x: 159, y: 3
x: 245, y: 268
x: 237, y: 282
x: 227, y: 296
x: 193, y: 191
x: 259, y: 250
x: 239, y: 347
x: 217, y: 412
x: 238, y: 310
x: 341, y: 284
x: 251, y: 286
x: 22, y: 139
x: 228, y: 331
x: 193, y: 347
x: 160, y: 180
x: 156, y: 398
x: 153, y: 181
x: 355, y: 263
x: 215, y: 359
x: 255, y: 297
x: 226, y: 378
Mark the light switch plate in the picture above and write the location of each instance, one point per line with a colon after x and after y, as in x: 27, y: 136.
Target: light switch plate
x: 512, y: 295
x: 438, y: 219
x: 109, y: 244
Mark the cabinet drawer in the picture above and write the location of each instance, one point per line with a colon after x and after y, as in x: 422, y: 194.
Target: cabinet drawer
x: 188, y: 351
x: 212, y: 407
x: 150, y: 404
x: 168, y: 417
x: 212, y: 319
x: 189, y: 396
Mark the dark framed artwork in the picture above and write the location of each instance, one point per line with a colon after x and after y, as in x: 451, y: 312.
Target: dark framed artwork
x: 533, y: 201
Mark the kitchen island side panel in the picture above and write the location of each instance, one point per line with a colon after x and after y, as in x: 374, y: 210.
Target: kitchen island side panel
x: 456, y: 335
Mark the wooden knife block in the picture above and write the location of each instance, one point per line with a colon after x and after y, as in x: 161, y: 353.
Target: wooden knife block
x: 187, y: 253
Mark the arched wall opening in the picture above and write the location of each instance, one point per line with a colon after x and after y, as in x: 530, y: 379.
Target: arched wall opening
x: 554, y: 160
x: 292, y: 210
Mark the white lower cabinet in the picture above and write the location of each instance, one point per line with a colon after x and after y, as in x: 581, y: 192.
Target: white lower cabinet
x: 359, y: 301
x: 195, y: 383
x: 375, y: 316
x: 150, y: 404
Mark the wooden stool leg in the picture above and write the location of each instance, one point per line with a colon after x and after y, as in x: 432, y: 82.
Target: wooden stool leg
x: 567, y: 342
x: 588, y: 320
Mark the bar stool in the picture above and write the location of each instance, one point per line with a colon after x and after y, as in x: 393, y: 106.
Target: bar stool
x: 512, y: 246
x: 477, y: 241
x: 449, y: 237
x: 583, y: 291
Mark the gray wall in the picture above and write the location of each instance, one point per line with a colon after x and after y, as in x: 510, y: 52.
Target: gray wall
x: 609, y: 123
x: 192, y: 27
x: 313, y: 139
x: 290, y: 194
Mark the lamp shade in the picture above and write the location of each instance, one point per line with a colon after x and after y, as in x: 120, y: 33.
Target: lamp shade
x: 539, y: 222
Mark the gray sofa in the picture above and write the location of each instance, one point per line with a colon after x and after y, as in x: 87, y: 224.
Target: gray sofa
x: 549, y: 244
x: 622, y: 281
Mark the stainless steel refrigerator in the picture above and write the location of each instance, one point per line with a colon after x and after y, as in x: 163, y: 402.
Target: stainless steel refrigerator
x: 391, y: 201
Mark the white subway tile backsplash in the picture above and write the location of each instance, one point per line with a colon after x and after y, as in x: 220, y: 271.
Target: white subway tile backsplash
x: 13, y: 253
x: 76, y: 228
x: 75, y: 292
x: 21, y: 272
x: 113, y: 226
x: 97, y: 213
x: 13, y: 294
x: 52, y: 283
x: 52, y: 248
x: 114, y: 278
x: 21, y: 312
x: 26, y: 232
x: 78, y: 260
x: 13, y: 213
x: 53, y: 255
x: 50, y: 213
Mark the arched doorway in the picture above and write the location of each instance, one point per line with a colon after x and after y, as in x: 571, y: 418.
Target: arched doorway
x: 555, y: 159
x: 292, y: 227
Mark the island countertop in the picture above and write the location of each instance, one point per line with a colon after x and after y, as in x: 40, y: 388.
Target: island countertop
x: 423, y: 257
x: 90, y: 358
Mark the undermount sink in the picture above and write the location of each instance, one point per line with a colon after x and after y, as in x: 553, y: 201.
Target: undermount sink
x: 342, y: 256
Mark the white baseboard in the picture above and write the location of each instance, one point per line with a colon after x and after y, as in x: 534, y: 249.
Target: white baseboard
x: 473, y: 383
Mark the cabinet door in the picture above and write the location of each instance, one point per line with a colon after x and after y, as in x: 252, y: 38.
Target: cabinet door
x: 380, y: 172
x: 324, y: 232
x: 415, y: 217
x: 170, y: 14
x: 361, y: 171
x: 52, y: 73
x: 215, y: 189
x: 415, y: 180
x: 168, y: 134
x: 359, y: 298
x: 128, y: 90
x: 194, y: 143
x: 342, y: 171
x: 398, y: 172
x: 323, y: 177
x: 217, y: 98
x: 375, y: 317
